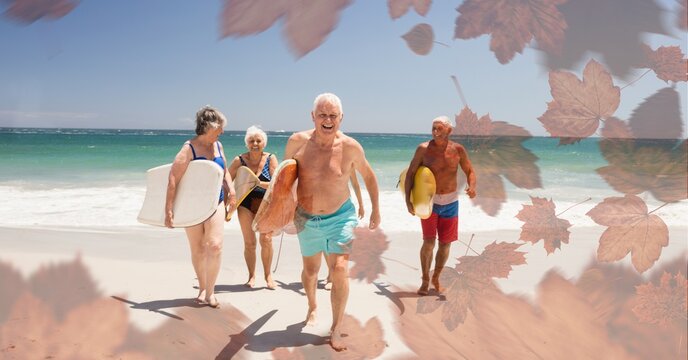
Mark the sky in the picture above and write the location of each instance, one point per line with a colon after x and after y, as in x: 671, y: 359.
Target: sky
x: 151, y: 64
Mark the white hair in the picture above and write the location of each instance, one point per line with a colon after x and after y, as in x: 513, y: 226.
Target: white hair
x: 327, y: 97
x: 253, y: 131
x: 443, y: 119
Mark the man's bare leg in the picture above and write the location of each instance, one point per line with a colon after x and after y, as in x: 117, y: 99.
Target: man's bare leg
x: 440, y: 261
x: 245, y: 220
x: 328, y: 282
x: 425, y: 261
x: 338, y: 297
x: 266, y: 259
x: 309, y: 279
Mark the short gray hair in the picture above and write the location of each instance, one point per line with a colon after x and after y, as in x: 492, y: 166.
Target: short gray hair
x: 209, y: 118
x: 443, y: 119
x: 253, y: 131
x: 328, y: 97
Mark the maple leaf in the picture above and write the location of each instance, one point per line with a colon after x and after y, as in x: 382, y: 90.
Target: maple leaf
x: 93, y: 329
x: 32, y: 10
x: 420, y: 39
x: 496, y: 260
x: 656, y: 164
x: 665, y: 303
x: 397, y: 8
x: 561, y: 325
x: 11, y: 286
x: 612, y: 28
x: 630, y: 229
x: 513, y: 24
x: 471, y: 281
x: 362, y: 341
x: 667, y: 62
x: 202, y: 334
x: 682, y: 21
x: 496, y: 150
x: 542, y: 223
x: 307, y: 22
x: 578, y: 106
x: 367, y: 250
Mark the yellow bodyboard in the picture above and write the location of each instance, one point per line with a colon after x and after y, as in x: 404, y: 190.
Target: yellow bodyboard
x: 422, y: 192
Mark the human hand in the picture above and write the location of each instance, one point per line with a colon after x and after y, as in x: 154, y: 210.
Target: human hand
x: 169, y: 219
x: 410, y: 209
x: 361, y: 211
x: 230, y: 206
x: 470, y: 191
x: 374, y: 219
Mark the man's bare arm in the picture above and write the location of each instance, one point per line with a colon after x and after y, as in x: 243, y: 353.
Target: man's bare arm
x: 362, y: 165
x: 467, y: 168
x: 410, y: 173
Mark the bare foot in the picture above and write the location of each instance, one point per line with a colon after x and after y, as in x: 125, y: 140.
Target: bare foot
x: 436, y: 284
x: 251, y: 281
x: 201, y: 296
x: 270, y: 283
x: 212, y: 301
x: 423, y: 290
x: 337, y: 341
x: 328, y: 285
x: 311, y: 317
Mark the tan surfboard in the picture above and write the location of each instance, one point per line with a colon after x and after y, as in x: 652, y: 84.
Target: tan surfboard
x: 279, y: 203
x: 244, y: 182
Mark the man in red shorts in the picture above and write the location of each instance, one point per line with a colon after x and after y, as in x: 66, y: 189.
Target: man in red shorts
x: 443, y: 157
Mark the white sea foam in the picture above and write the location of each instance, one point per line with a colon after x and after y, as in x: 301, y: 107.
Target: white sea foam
x: 118, y: 206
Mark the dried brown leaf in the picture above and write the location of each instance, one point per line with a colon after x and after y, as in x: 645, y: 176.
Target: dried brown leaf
x: 512, y: 24
x: 665, y: 303
x: 307, y: 23
x: 578, y: 106
x: 32, y: 10
x: 366, y: 254
x: 630, y: 230
x: 496, y: 150
x: 398, y: 8
x: 667, y: 62
x: 420, y: 39
x: 541, y: 222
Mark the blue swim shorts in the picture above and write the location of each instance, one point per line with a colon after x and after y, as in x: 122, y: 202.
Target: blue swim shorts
x: 331, y: 233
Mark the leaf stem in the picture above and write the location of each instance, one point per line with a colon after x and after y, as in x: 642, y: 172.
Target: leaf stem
x: 665, y: 204
x: 458, y: 89
x: 568, y: 208
x: 441, y: 43
x: 469, y: 245
x: 640, y: 77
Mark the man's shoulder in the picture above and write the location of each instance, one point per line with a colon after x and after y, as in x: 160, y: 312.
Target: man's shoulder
x: 301, y: 135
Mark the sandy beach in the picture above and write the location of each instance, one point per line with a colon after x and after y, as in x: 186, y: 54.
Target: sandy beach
x: 127, y: 293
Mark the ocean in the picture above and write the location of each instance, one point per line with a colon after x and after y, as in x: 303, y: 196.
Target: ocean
x: 96, y: 177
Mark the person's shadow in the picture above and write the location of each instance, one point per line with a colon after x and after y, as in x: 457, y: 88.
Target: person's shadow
x: 237, y: 288
x: 269, y: 341
x: 395, y: 297
x: 157, y: 305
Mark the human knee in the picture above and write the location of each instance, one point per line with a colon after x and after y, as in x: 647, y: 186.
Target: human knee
x: 250, y: 245
x: 265, y: 241
x: 215, y: 247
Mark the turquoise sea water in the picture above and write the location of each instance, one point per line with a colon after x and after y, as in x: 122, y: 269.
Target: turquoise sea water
x: 100, y: 157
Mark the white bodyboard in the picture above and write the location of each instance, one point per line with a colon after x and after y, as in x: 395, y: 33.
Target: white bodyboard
x: 197, y: 198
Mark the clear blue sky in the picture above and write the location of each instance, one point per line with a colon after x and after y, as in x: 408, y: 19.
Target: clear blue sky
x: 153, y: 63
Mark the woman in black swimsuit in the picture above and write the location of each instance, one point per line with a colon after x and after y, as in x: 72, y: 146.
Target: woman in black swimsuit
x: 263, y: 165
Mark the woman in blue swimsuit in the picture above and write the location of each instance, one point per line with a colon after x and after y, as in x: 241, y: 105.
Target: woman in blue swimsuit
x: 263, y: 165
x: 205, y: 239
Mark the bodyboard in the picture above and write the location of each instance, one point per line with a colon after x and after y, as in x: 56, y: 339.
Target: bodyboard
x: 279, y: 203
x: 197, y: 197
x: 244, y: 182
x: 422, y: 192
